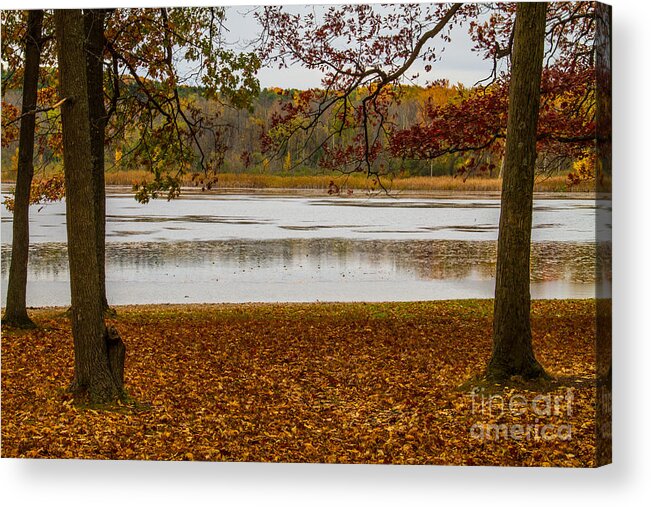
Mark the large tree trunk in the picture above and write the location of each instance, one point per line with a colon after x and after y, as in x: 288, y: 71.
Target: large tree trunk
x: 94, y: 26
x: 512, y: 348
x: 93, y: 373
x: 16, y: 309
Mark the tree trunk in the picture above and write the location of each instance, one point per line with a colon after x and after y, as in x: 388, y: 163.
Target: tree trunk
x: 93, y: 374
x: 16, y: 309
x: 512, y: 347
x: 94, y: 26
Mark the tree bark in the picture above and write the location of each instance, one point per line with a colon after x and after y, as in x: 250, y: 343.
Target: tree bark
x: 16, y: 309
x: 93, y: 373
x: 512, y: 345
x: 94, y: 26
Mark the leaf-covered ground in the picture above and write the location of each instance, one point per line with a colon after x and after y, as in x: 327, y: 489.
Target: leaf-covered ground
x: 345, y: 383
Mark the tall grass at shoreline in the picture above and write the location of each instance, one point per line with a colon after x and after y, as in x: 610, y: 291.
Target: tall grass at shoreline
x: 359, y: 182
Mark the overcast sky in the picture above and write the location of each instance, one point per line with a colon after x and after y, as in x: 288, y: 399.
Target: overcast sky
x: 458, y: 63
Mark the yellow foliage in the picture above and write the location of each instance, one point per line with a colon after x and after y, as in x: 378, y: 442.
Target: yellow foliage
x: 584, y: 167
x: 287, y: 164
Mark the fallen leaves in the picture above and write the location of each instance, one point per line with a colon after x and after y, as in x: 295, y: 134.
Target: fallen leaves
x: 341, y: 383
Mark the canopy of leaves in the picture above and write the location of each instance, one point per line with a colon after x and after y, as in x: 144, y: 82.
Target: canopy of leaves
x: 366, y: 55
x: 475, y: 122
x: 363, y: 52
x: 145, y: 46
x: 142, y: 51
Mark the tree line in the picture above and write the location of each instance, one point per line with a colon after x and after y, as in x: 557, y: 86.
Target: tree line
x: 248, y: 137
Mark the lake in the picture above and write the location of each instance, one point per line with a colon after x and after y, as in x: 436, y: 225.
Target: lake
x: 238, y: 248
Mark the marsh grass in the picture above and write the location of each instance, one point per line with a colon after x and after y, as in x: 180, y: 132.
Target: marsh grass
x: 359, y: 182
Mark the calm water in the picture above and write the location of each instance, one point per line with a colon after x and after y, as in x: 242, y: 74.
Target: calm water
x: 263, y: 248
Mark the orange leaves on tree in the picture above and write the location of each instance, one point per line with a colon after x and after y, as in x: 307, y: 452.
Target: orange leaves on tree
x: 43, y: 191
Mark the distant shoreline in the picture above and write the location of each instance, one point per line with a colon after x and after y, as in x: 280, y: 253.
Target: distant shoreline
x: 194, y: 192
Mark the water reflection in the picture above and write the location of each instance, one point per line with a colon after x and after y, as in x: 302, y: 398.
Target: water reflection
x: 307, y: 270
x: 236, y: 248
